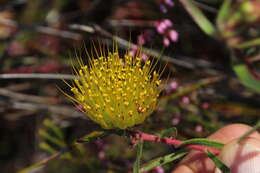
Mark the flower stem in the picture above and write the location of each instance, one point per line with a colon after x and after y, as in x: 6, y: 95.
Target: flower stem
x: 174, y: 142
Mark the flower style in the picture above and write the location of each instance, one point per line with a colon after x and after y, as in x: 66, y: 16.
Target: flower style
x: 116, y: 92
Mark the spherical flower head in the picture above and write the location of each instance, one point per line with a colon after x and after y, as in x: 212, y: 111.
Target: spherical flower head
x: 117, y: 92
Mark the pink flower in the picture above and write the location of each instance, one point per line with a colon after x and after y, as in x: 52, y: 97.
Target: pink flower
x: 174, y: 85
x: 133, y: 50
x: 198, y: 128
x: 158, y: 169
x: 166, y: 41
x: 175, y: 121
x: 79, y: 107
x: 169, y: 2
x: 173, y: 35
x: 144, y: 57
x: 167, y: 22
x: 101, y: 155
x: 161, y: 28
x: 205, y: 105
x: 185, y: 100
x: 141, y: 39
x: 163, y: 9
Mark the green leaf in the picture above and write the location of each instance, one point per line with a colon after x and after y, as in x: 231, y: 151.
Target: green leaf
x: 52, y: 139
x: 223, y: 12
x: 163, y: 160
x: 248, y: 44
x: 168, y: 132
x: 205, y: 25
x: 92, y: 136
x: 40, y: 163
x: 203, y: 141
x: 46, y: 147
x: 56, y: 130
x: 246, y: 78
x: 218, y: 162
x: 138, y: 157
x: 257, y: 126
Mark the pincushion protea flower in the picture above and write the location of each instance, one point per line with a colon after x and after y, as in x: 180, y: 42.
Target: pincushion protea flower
x: 116, y: 92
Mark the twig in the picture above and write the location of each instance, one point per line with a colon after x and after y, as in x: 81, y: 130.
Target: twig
x: 187, y: 63
x: 206, y: 7
x: 188, y: 89
x: 41, y: 163
x: 169, y: 141
x: 132, y: 23
x: 126, y: 44
x: 65, y: 111
x: 26, y: 97
x: 12, y: 4
x: 85, y: 28
x: 254, y: 59
x: 42, y: 29
x: 38, y: 76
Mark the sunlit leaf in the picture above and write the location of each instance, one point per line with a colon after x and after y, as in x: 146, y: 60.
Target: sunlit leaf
x: 205, y: 25
x: 92, y: 136
x: 253, y: 129
x: 203, y: 141
x: 168, y: 132
x: 224, y: 11
x: 52, y: 139
x: 57, y: 131
x: 139, y: 153
x: 40, y: 163
x: 46, y: 147
x: 246, y: 78
x: 163, y: 160
x: 218, y: 162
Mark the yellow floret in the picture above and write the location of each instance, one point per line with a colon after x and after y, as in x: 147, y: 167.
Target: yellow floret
x: 116, y: 92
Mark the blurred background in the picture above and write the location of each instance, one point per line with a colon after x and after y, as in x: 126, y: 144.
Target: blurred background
x: 211, y: 54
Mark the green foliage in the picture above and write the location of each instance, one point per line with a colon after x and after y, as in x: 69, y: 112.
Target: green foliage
x: 163, y: 160
x: 203, y: 141
x: 53, y: 138
x: 254, y: 128
x: 218, y: 162
x: 92, y: 136
x: 139, y: 153
x: 223, y: 13
x: 205, y: 25
x: 246, y: 77
x: 170, y: 132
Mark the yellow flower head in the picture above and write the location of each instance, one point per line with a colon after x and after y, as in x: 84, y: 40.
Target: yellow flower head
x: 116, y: 92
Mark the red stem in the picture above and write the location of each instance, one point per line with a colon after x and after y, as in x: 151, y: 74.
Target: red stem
x: 175, y: 142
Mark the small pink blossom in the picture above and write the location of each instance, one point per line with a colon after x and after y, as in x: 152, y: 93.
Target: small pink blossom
x: 185, y: 100
x: 175, y: 121
x: 163, y: 9
x: 167, y: 22
x: 132, y: 51
x: 173, y: 35
x: 158, y: 169
x: 173, y: 85
x: 161, y: 28
x: 101, y: 155
x: 141, y: 39
x: 205, y: 105
x: 166, y: 41
x: 79, y: 107
x: 144, y: 57
x: 198, y: 128
x: 169, y: 2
